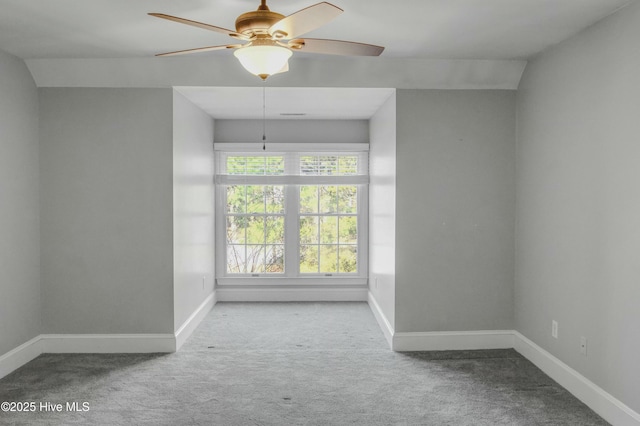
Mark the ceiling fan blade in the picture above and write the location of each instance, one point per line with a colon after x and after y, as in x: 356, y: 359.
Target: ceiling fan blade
x: 304, y: 20
x: 199, y: 49
x: 200, y: 25
x: 335, y: 47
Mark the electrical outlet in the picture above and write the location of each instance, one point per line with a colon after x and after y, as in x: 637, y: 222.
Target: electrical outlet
x: 554, y: 329
x: 583, y: 346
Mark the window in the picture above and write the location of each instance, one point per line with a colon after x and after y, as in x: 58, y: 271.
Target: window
x: 328, y: 226
x: 291, y: 214
x: 255, y: 229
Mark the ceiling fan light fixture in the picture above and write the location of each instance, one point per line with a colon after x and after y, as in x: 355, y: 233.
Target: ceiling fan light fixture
x: 263, y: 60
x: 272, y: 37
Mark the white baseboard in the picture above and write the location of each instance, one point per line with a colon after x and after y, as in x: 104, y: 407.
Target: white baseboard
x: 596, y: 398
x: 108, y: 343
x: 603, y: 403
x: 103, y: 343
x: 611, y: 409
x: 188, y: 327
x: 383, y: 322
x: 19, y: 356
x: 84, y: 343
x: 237, y: 294
x: 452, y: 340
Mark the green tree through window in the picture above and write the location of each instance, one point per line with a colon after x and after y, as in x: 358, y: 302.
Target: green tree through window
x: 328, y: 229
x: 255, y: 229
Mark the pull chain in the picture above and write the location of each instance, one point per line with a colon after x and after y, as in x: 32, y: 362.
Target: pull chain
x: 264, y: 119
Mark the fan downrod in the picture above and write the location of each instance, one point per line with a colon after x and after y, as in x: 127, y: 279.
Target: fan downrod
x: 257, y: 21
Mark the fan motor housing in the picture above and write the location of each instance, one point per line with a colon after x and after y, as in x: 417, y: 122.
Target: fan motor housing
x: 257, y: 22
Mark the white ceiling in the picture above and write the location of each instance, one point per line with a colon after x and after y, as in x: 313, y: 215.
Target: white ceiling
x: 441, y: 29
x: 57, y: 35
x: 287, y: 102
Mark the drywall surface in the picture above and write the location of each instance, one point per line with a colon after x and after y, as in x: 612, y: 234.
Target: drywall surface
x: 329, y: 71
x: 19, y: 205
x: 455, y: 210
x: 193, y: 212
x: 292, y: 131
x: 578, y: 204
x: 382, y: 208
x: 106, y: 208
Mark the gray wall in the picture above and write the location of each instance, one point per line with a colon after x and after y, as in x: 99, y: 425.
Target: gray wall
x: 455, y: 210
x: 193, y: 213
x: 285, y: 131
x: 106, y: 209
x: 19, y: 205
x: 578, y: 236
x: 382, y: 208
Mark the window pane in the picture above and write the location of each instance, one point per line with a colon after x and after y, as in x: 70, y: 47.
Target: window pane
x: 255, y: 166
x: 236, y: 259
x: 255, y: 229
x: 318, y: 165
x: 348, y: 259
x: 308, y: 199
x: 328, y: 258
x: 236, y: 165
x: 308, y: 165
x: 236, y: 199
x: 308, y: 229
x: 274, y: 259
x: 255, y: 199
x: 236, y: 226
x: 348, y: 199
x: 274, y: 230
x: 348, y: 230
x: 327, y: 165
x: 348, y: 165
x: 274, y: 197
x: 275, y: 165
x: 308, y: 259
x: 255, y: 259
x: 328, y: 230
x: 328, y: 199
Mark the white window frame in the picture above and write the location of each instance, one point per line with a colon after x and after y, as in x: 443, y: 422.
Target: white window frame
x: 292, y: 276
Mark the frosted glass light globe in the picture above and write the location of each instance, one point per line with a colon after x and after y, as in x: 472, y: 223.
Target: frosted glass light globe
x: 263, y: 61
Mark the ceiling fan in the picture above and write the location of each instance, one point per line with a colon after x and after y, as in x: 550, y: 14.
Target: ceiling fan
x: 271, y: 38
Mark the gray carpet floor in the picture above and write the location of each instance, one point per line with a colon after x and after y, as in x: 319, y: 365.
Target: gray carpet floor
x: 293, y: 364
